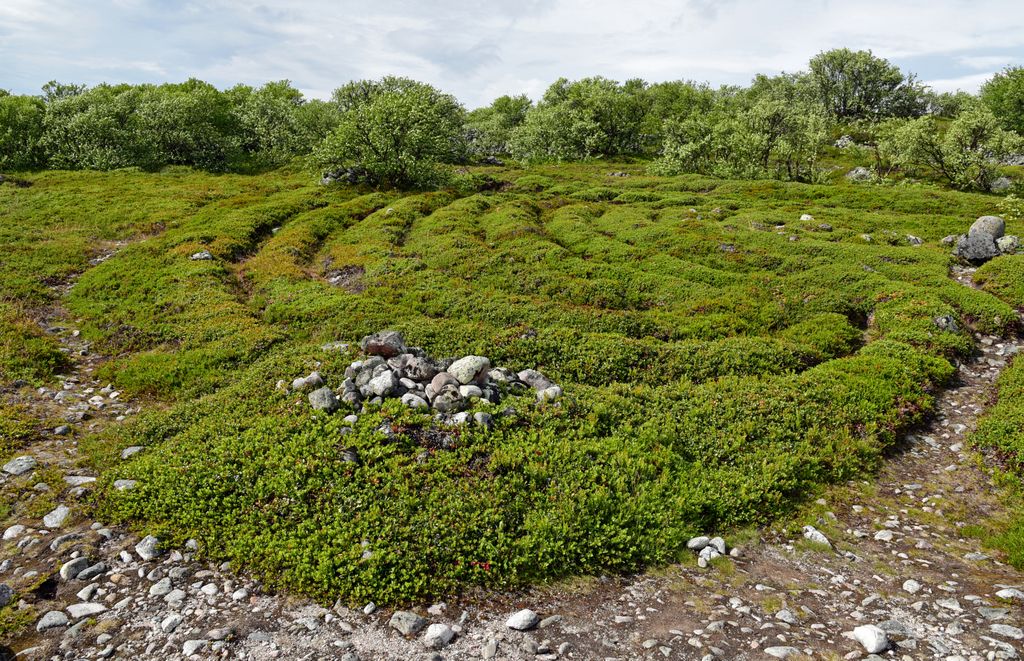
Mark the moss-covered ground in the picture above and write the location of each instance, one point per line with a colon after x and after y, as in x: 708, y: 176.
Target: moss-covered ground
x: 721, y: 357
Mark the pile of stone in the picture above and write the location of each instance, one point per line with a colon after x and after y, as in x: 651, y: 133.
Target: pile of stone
x: 394, y: 370
x: 984, y: 240
x: 709, y: 549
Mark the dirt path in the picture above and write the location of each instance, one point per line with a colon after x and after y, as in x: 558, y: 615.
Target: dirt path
x: 899, y: 560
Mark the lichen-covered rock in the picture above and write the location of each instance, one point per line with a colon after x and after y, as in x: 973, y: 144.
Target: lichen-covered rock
x: 323, y: 399
x: 470, y: 369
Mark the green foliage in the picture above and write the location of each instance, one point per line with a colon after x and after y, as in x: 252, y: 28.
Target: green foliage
x: 490, y: 129
x: 15, y: 430
x: 715, y: 370
x: 859, y: 85
x: 583, y: 119
x: 1004, y: 277
x: 1004, y: 96
x: 965, y: 153
x: 26, y: 352
x: 777, y: 133
x: 21, y: 130
x: 395, y: 132
x: 1012, y: 208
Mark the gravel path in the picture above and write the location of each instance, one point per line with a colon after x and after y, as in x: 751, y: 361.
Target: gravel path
x: 899, y: 570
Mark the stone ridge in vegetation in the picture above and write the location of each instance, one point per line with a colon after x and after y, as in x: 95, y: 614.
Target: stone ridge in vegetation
x: 705, y: 387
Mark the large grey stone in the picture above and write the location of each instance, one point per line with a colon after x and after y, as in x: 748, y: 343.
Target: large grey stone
x: 57, y: 517
x: 470, y: 369
x: 88, y: 609
x: 72, y: 568
x: 407, y: 622
x: 980, y: 243
x: 52, y: 620
x: 6, y: 595
x: 148, y: 548
x: 384, y: 384
x: 323, y: 399
x: 448, y: 400
x: 20, y: 465
x: 535, y: 380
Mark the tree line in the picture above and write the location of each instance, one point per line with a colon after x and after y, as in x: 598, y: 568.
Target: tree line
x: 399, y: 132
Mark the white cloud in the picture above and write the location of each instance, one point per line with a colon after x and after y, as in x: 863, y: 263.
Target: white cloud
x: 985, y: 61
x: 481, y: 50
x: 968, y: 83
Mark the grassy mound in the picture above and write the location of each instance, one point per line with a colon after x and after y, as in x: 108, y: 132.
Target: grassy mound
x: 720, y: 358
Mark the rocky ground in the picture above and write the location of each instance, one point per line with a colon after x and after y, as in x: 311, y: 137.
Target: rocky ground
x: 886, y: 569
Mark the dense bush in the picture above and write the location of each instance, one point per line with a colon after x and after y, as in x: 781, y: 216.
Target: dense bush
x: 394, y: 132
x: 490, y: 129
x: 21, y: 131
x: 581, y: 119
x: 1004, y: 95
x: 966, y: 153
x: 777, y: 132
x: 858, y: 85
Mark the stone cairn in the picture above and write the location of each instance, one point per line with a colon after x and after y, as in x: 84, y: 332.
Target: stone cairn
x: 393, y: 370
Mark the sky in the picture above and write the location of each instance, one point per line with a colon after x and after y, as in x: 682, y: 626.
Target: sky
x: 481, y: 50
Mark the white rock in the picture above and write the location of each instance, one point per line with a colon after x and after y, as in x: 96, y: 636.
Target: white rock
x: 1011, y: 594
x: 52, y: 620
x: 14, y: 532
x: 523, y: 620
x: 911, y: 586
x: 781, y: 652
x: 170, y: 623
x: 192, y: 646
x: 88, y: 609
x: 1007, y: 631
x: 438, y: 636
x: 469, y: 368
x: 57, y: 517
x: 148, y: 548
x: 20, y: 465
x: 814, y: 535
x: 873, y: 639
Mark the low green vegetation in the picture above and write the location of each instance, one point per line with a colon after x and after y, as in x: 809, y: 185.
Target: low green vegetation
x: 721, y: 357
x: 1001, y: 430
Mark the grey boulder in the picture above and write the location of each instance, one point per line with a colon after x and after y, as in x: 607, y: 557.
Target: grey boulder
x: 407, y: 623
x: 470, y: 369
x: 323, y: 399
x: 20, y: 465
x: 980, y: 243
